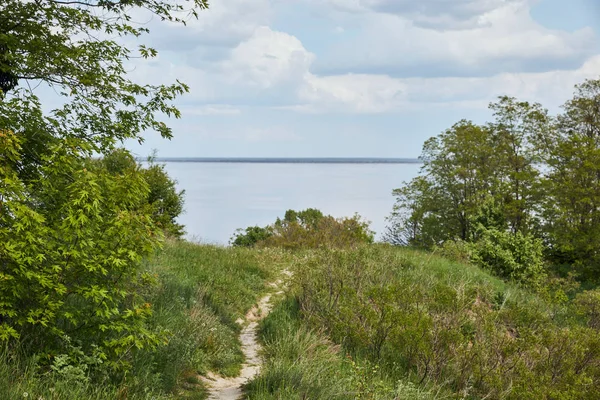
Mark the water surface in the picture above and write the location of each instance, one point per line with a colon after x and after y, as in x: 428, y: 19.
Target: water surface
x: 221, y: 197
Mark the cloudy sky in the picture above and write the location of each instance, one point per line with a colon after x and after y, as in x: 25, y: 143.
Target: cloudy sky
x: 361, y: 78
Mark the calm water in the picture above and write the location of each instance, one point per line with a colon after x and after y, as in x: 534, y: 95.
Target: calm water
x: 221, y: 197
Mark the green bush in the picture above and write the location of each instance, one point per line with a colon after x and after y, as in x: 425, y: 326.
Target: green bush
x: 307, y: 229
x: 71, y: 243
x: 163, y: 197
x: 587, y: 304
x: 250, y: 236
x: 455, y: 250
x: 515, y: 256
x: 449, y: 324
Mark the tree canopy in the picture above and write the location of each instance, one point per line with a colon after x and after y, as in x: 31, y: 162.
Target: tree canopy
x: 527, y: 174
x: 72, y: 231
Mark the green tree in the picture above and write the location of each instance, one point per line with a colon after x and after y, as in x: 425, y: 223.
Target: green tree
x: 250, y: 236
x: 457, y: 176
x: 307, y: 229
x: 518, y: 130
x: 572, y: 208
x: 468, y: 166
x: 72, y: 234
x: 69, y: 254
x: 164, y: 198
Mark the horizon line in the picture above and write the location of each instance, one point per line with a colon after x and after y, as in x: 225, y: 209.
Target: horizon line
x: 291, y: 160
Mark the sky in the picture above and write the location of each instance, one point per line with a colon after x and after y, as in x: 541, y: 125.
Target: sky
x: 359, y: 78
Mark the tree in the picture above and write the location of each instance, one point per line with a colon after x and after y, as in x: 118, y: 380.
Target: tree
x: 518, y: 130
x: 572, y: 208
x: 72, y: 234
x: 457, y: 176
x: 163, y: 197
x: 309, y: 228
x: 73, y: 46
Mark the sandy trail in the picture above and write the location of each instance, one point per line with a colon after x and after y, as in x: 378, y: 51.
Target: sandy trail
x: 220, y: 388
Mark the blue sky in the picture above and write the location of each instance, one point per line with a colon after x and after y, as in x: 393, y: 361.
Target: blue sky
x: 360, y: 78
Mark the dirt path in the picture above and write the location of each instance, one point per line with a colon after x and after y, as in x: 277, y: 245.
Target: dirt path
x: 220, y: 388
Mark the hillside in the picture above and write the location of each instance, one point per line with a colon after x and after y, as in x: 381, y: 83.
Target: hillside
x: 382, y: 322
x: 376, y: 322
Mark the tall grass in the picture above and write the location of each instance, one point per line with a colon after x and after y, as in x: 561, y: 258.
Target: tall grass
x: 419, y: 326
x: 302, y: 363
x: 202, y: 290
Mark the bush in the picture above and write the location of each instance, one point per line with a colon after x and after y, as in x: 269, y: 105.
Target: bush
x: 449, y: 324
x: 307, y: 229
x: 250, y: 236
x: 587, y: 304
x: 455, y: 250
x: 163, y: 197
x: 515, y: 256
x: 71, y: 243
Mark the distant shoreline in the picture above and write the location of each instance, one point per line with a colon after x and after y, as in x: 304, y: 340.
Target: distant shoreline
x: 291, y: 160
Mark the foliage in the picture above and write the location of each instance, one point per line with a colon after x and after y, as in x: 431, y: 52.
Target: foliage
x: 518, y: 256
x: 587, y: 304
x: 455, y: 250
x: 302, y: 363
x: 164, y: 199
x: 573, y: 183
x: 200, y: 292
x: 72, y: 234
x: 526, y: 173
x: 250, y: 236
x: 70, y: 251
x: 468, y: 166
x: 448, y: 325
x: 306, y: 229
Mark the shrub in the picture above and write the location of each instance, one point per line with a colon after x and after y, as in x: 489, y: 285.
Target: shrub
x: 449, y: 324
x: 163, y: 197
x: 250, y: 236
x: 587, y: 304
x: 71, y: 244
x: 515, y: 256
x: 307, y: 229
x: 455, y: 250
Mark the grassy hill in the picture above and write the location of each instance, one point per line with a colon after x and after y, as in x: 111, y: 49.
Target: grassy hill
x: 200, y: 291
x: 381, y: 322
x: 373, y: 322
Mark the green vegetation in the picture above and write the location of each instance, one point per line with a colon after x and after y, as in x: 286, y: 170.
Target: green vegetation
x: 524, y: 184
x: 307, y: 228
x: 418, y: 326
x: 99, y: 300
x: 200, y: 292
x: 303, y: 363
x: 74, y: 230
x: 166, y: 203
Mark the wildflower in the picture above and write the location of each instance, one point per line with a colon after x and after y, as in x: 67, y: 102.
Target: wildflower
x: 25, y: 394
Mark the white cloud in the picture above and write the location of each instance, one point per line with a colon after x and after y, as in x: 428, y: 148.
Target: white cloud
x: 377, y: 93
x: 391, y: 65
x: 267, y: 59
x: 507, y: 40
x: 225, y: 24
x: 438, y: 14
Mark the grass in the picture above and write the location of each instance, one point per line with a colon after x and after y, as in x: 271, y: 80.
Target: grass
x: 375, y: 322
x: 380, y: 322
x: 202, y: 290
x: 302, y: 363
